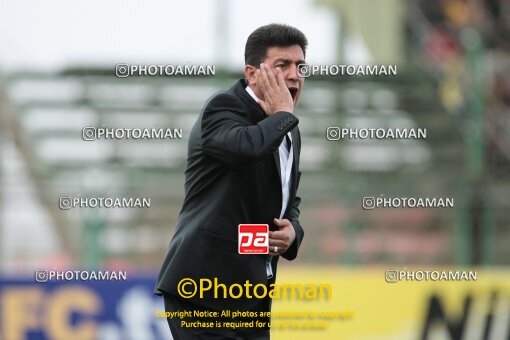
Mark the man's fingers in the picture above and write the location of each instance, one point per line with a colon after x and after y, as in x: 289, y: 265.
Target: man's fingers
x: 272, y: 234
x: 264, y: 77
x: 273, y: 83
x: 278, y: 222
x: 281, y: 223
x: 277, y: 249
x: 261, y: 82
x: 279, y: 79
x: 277, y: 235
x: 278, y: 243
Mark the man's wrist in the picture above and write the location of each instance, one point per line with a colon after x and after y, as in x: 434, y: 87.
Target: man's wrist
x: 278, y: 111
x: 284, y: 109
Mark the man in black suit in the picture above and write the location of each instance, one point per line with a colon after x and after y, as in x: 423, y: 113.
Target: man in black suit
x: 242, y: 167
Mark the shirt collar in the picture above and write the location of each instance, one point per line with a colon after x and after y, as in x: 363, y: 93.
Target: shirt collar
x: 251, y: 93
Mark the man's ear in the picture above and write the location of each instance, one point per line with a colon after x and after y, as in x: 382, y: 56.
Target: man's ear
x: 249, y: 73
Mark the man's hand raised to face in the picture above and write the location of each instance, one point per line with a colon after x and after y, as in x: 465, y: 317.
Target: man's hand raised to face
x: 276, y: 94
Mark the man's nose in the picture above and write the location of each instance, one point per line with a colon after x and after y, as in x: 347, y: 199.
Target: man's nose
x: 292, y: 72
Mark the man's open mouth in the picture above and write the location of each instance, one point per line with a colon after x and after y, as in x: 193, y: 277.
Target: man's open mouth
x: 293, y: 92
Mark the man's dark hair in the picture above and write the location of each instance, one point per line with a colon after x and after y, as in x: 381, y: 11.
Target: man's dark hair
x: 272, y: 35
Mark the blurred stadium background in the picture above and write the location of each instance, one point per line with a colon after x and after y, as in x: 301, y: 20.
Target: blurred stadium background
x: 453, y: 79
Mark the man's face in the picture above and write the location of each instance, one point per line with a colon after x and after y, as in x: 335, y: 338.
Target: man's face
x: 287, y: 59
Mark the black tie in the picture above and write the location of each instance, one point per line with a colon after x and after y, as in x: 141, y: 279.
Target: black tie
x: 287, y: 142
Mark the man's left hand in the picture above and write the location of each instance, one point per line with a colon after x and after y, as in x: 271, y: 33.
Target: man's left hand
x: 281, y: 240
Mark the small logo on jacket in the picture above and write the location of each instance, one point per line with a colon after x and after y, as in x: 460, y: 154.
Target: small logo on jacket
x: 253, y: 239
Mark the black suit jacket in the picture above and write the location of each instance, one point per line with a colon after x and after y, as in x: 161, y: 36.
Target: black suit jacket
x: 232, y: 177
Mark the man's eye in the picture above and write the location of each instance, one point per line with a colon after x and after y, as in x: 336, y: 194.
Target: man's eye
x: 282, y: 66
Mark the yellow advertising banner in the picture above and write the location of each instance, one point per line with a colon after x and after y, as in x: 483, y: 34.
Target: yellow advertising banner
x: 395, y: 303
